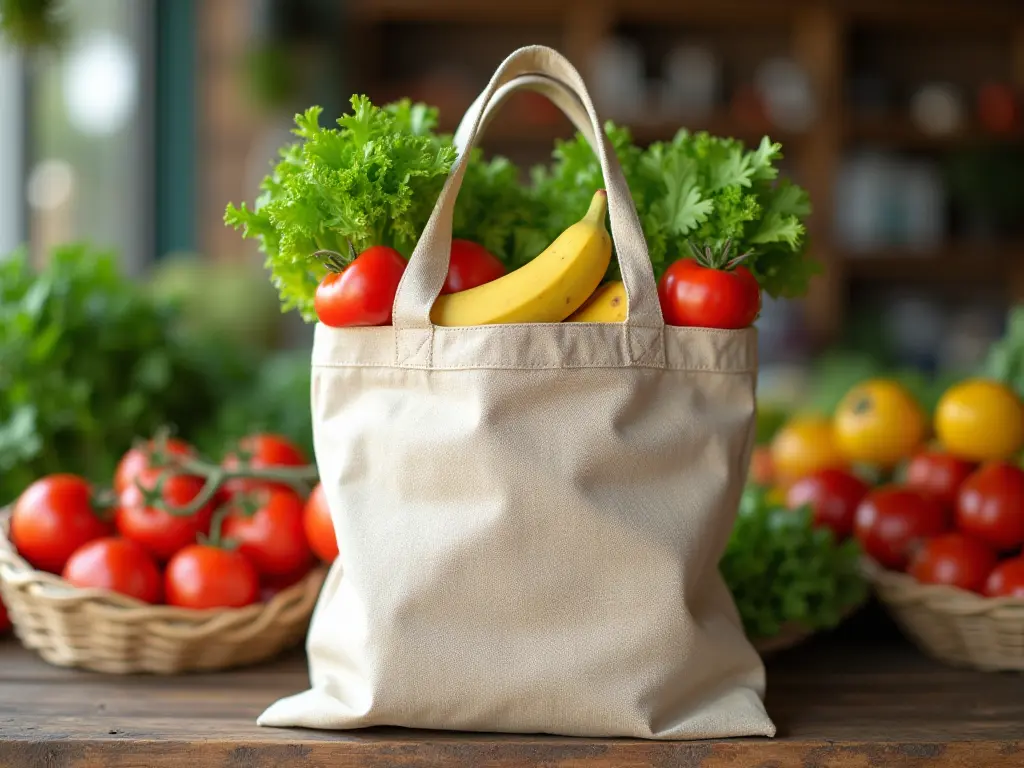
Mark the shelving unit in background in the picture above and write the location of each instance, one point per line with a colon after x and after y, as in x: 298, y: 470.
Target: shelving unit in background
x: 394, y: 43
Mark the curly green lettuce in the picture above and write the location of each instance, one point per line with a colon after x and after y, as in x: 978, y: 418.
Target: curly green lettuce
x: 372, y: 180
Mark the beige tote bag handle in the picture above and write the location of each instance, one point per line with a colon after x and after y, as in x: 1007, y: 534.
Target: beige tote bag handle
x: 428, y: 266
x: 556, y: 92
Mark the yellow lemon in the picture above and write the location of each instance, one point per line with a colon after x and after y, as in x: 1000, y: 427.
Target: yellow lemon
x: 980, y: 420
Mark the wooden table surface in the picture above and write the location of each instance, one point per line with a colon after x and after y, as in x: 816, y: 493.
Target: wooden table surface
x: 835, y: 704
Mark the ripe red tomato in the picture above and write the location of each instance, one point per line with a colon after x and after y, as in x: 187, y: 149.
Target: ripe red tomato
x: 5, y: 620
x: 260, y: 452
x: 892, y: 520
x: 470, y: 265
x: 364, y: 293
x: 138, y: 459
x: 52, y: 518
x: 833, y: 495
x: 694, y: 295
x: 272, y: 539
x: 953, y: 559
x: 201, y: 576
x: 158, y: 531
x: 938, y: 474
x: 119, y: 565
x: 319, y: 526
x: 990, y: 505
x: 1007, y: 579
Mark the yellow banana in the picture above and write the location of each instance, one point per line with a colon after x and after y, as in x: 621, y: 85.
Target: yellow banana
x: 606, y: 305
x: 547, y: 289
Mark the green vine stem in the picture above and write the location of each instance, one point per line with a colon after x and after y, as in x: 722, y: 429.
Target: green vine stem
x: 300, y: 479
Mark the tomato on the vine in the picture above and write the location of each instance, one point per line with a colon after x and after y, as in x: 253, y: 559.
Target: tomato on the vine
x: 892, y: 520
x: 990, y: 505
x: 319, y: 526
x: 1007, y: 579
x: 201, y: 576
x: 833, y: 495
x: 160, y: 532
x: 140, y: 457
x: 116, y: 564
x: 364, y: 292
x: 709, y: 291
x: 953, y: 559
x: 272, y: 538
x: 52, y: 518
x: 938, y: 474
x: 470, y: 265
x: 261, y: 451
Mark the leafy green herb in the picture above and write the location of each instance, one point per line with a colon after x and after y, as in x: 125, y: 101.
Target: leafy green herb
x: 782, y: 570
x: 87, y: 363
x: 695, y: 188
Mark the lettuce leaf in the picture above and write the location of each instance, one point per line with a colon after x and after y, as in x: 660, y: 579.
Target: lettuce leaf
x: 373, y: 180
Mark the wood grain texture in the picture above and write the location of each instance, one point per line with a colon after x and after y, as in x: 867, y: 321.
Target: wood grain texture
x: 836, y: 706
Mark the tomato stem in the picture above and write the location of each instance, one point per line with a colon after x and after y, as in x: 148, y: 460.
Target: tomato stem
x: 717, y: 258
x: 301, y: 479
x: 332, y: 260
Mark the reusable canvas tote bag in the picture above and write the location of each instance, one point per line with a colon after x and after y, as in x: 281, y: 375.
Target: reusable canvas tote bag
x: 530, y: 517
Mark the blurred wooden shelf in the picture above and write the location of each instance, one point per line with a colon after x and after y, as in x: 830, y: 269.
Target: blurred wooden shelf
x: 516, y: 129
x: 902, y: 133
x: 917, y: 14
x: 966, y: 262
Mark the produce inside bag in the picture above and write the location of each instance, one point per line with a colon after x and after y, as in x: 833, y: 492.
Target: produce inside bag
x: 342, y: 210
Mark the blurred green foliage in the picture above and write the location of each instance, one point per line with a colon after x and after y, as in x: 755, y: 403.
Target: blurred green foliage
x: 90, y: 360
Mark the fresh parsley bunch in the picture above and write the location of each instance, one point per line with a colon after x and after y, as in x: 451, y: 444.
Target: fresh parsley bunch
x: 695, y: 188
x: 782, y: 569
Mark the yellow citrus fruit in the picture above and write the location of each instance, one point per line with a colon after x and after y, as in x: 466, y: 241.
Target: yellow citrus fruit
x: 980, y: 420
x: 803, y: 445
x: 879, y: 422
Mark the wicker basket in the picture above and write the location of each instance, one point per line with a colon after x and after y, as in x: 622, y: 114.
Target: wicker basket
x: 107, y: 632
x: 955, y: 626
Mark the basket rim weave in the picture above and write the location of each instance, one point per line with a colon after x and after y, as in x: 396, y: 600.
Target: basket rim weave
x: 900, y: 589
x: 175, y: 622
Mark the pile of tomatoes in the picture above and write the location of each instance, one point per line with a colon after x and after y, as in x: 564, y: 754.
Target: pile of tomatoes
x: 949, y: 507
x: 252, y: 539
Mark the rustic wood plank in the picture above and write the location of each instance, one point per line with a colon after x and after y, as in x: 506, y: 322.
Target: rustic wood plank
x: 835, y: 705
